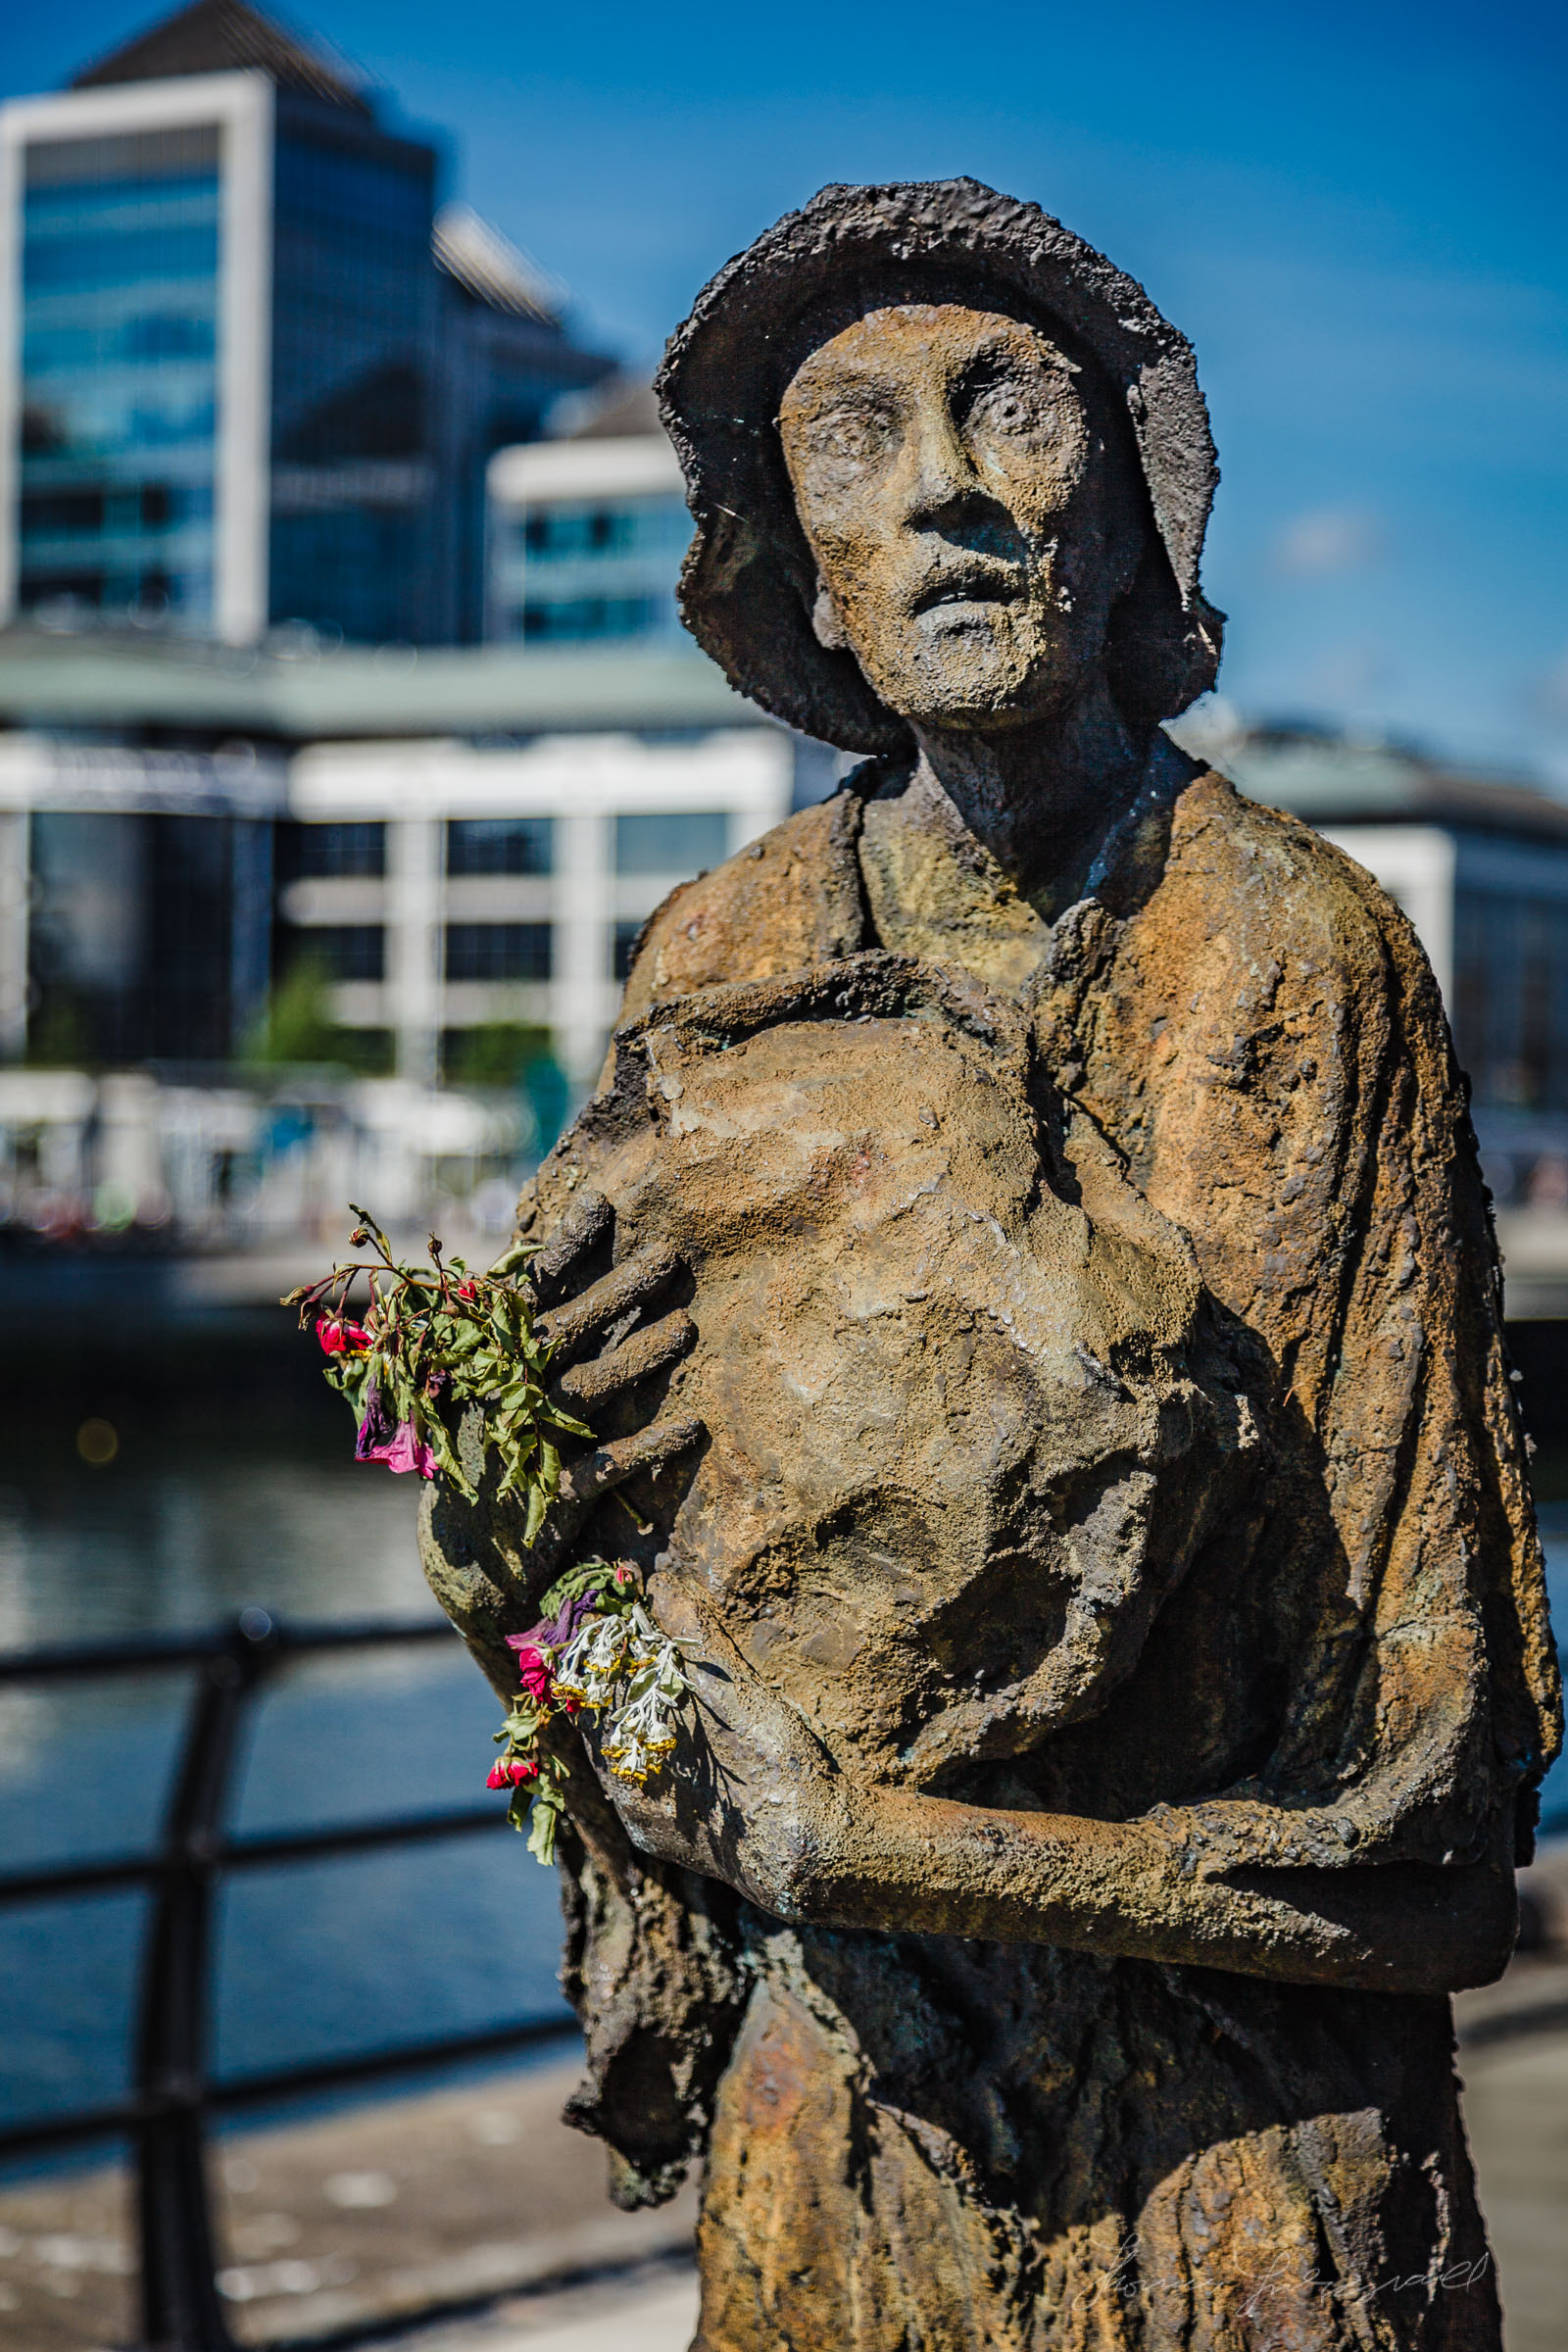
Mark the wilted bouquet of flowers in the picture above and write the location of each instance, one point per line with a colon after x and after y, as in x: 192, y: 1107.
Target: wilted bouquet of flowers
x: 596, y: 1648
x: 433, y: 1339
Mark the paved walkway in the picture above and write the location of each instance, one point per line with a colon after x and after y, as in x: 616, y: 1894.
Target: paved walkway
x: 641, y: 2313
x: 454, y: 2198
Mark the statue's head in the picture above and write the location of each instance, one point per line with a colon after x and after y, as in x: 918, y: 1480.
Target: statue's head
x: 946, y: 463
x: 970, y: 501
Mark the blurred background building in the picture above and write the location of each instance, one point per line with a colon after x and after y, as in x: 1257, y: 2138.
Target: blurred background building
x: 348, y: 731
x: 587, y: 533
x: 297, y: 893
x: 410, y: 872
x: 256, y: 374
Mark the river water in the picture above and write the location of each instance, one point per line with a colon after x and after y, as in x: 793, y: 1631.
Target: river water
x: 317, y: 1960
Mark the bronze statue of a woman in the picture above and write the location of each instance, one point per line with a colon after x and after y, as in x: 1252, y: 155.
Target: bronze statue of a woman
x: 1028, y: 1274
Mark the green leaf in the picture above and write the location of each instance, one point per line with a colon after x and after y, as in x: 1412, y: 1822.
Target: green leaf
x: 513, y: 1259
x: 545, y: 1819
x: 576, y: 1580
x: 485, y: 1347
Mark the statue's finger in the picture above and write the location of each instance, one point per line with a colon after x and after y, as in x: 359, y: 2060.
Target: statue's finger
x: 609, y: 1466
x: 581, y: 1230
x: 629, y: 1286
x: 604, y: 1376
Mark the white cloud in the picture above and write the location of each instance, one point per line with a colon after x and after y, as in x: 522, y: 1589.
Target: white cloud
x: 1327, y: 539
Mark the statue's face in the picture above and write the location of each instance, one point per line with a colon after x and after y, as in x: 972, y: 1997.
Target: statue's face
x: 952, y: 488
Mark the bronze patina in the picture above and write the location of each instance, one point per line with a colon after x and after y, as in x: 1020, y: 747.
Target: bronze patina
x: 1027, y: 1271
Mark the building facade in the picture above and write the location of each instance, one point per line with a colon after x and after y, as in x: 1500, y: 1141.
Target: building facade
x: 588, y: 533
x: 458, y: 846
x: 452, y: 889
x: 136, y: 900
x: 1482, y: 870
x: 250, y: 374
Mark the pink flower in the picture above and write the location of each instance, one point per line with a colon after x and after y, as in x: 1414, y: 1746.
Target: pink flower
x: 406, y: 1452
x: 511, y: 1773
x: 400, y: 1448
x: 536, y: 1664
x: 338, y: 1338
x: 539, y: 1648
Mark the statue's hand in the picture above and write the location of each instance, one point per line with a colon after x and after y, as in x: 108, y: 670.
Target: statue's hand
x: 750, y: 1794
x: 604, y: 1350
x: 485, y: 1578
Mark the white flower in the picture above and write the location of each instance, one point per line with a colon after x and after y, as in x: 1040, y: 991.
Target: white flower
x: 643, y: 1731
x: 593, y: 1662
x: 620, y: 1662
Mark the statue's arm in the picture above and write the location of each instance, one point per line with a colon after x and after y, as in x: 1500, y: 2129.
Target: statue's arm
x: 759, y: 1805
x: 894, y: 1859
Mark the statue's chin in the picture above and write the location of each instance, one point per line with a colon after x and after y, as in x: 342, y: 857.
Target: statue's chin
x: 973, y: 666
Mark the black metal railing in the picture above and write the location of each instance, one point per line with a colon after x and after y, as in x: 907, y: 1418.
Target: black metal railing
x: 174, y: 2094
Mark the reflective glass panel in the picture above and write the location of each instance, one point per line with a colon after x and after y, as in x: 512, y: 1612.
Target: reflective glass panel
x: 335, y: 849
x: 674, y: 844
x: 498, y: 951
x: 500, y: 844
x: 345, y: 951
x: 575, y: 572
x: 354, y: 514
x: 120, y: 276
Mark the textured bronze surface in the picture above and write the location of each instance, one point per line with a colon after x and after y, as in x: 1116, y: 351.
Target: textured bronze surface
x: 1077, y: 1452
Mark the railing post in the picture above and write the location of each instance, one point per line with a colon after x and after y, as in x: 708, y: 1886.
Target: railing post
x: 180, y: 2309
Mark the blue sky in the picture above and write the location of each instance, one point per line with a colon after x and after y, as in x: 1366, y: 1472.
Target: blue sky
x: 1357, y: 213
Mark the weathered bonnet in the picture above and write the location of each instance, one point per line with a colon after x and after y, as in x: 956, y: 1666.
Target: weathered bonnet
x: 749, y: 581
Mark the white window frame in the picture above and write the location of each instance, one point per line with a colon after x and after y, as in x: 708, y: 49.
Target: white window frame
x: 242, y: 106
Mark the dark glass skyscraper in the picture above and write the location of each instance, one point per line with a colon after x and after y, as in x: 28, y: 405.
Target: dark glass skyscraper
x: 355, y: 365
x: 258, y: 373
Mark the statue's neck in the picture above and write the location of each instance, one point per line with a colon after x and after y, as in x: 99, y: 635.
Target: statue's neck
x: 1045, y: 797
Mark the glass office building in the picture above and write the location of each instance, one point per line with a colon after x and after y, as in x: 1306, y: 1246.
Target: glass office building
x: 119, y: 371
x: 356, y: 357
x: 252, y: 379
x: 584, y: 571
x: 588, y: 534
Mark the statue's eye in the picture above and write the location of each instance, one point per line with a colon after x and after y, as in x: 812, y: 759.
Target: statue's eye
x: 854, y: 434
x: 1012, y: 407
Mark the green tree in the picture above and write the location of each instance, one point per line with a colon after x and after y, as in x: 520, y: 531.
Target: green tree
x: 59, y: 1035
x: 511, y: 1053
x: 297, y: 1026
x: 494, y: 1052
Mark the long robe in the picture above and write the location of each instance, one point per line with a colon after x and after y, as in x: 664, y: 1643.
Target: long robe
x: 943, y: 2143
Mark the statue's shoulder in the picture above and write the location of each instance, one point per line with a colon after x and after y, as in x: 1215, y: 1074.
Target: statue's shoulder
x: 1265, y: 888
x: 1227, y: 1009
x: 786, y: 902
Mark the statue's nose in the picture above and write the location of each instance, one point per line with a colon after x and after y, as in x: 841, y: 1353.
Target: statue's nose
x: 938, y: 472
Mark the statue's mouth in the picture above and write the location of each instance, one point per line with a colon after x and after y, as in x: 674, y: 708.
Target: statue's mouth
x: 969, y: 588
